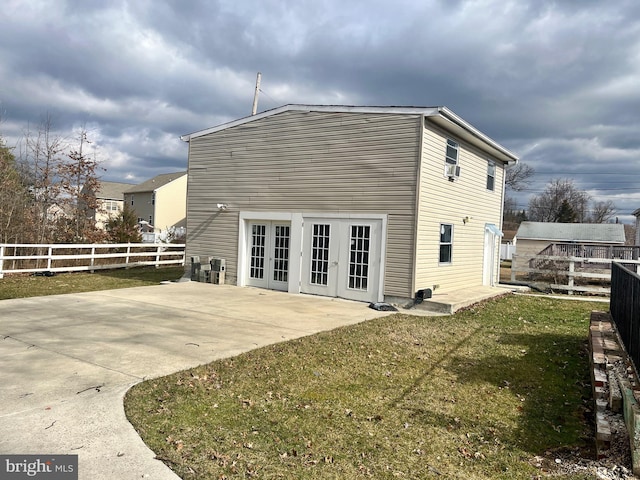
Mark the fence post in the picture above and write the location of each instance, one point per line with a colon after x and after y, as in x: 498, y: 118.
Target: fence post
x: 572, y: 269
x: 128, y: 252
x: 1, y: 260
x: 158, y: 256
x: 93, y: 257
x: 49, y: 257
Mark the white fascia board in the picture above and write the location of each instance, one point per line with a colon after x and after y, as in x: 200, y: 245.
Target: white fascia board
x: 445, y: 116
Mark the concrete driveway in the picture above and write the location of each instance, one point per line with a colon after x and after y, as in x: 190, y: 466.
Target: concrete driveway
x: 67, y: 360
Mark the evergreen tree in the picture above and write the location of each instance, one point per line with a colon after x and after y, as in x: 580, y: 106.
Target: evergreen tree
x: 123, y: 228
x: 566, y: 214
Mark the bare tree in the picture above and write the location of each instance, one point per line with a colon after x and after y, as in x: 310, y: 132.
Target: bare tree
x: 41, y: 157
x: 519, y: 176
x: 602, y: 211
x: 563, y: 201
x: 15, y: 202
x: 78, y: 183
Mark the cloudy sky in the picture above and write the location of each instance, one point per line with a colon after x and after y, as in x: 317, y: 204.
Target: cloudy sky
x: 557, y: 82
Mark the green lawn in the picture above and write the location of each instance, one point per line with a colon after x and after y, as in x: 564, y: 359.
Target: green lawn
x: 22, y: 286
x: 473, y: 395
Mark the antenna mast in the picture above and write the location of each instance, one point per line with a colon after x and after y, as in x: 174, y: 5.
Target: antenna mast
x: 255, y: 95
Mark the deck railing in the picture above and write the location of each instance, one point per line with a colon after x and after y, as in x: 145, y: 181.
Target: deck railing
x: 625, y: 308
x: 579, y: 266
x: 622, y: 252
x: 34, y: 258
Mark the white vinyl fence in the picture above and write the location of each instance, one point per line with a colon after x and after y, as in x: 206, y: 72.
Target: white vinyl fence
x: 33, y: 258
x: 506, y: 251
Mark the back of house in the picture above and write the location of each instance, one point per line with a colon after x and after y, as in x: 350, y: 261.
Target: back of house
x: 364, y: 203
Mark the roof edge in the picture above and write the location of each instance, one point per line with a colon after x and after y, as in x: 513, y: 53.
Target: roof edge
x: 447, y: 114
x: 431, y: 112
x: 427, y: 111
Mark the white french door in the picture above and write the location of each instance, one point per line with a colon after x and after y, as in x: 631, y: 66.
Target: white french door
x: 268, y: 254
x: 342, y: 258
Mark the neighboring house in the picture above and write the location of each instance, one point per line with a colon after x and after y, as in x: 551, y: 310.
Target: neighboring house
x: 630, y: 233
x: 161, y: 201
x: 533, y: 237
x: 364, y: 203
x: 58, y: 211
x: 508, y: 237
x: 109, y: 200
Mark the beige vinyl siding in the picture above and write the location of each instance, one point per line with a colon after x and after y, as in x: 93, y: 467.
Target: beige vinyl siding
x: 446, y: 202
x: 171, y: 205
x: 103, y: 214
x: 310, y: 163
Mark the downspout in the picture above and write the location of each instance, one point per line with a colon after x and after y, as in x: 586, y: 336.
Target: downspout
x: 187, y: 139
x: 497, y: 263
x: 416, y: 213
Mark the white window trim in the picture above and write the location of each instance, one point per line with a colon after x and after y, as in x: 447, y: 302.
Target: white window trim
x: 491, y: 163
x: 450, y: 143
x: 296, y: 242
x: 440, y: 243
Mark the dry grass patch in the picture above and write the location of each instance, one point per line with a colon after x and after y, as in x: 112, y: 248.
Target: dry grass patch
x: 473, y: 395
x: 24, y: 286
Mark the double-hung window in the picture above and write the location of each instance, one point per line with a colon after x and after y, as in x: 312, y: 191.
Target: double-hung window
x: 451, y: 169
x: 491, y: 175
x: 446, y: 242
x: 451, y: 156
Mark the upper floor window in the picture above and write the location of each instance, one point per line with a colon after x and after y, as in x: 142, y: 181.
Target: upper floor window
x: 132, y: 199
x: 452, y: 152
x: 153, y: 198
x: 111, y: 205
x: 491, y: 175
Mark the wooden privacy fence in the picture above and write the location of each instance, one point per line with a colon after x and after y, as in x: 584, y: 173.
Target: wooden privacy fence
x: 33, y: 258
x: 578, y: 265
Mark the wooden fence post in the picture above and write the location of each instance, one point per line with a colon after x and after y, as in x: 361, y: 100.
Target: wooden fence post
x: 572, y: 269
x: 1, y: 260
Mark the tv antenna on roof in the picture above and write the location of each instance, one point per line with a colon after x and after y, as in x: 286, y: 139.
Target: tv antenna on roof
x: 255, y: 95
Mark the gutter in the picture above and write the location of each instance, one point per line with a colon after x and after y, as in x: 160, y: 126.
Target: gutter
x: 455, y: 119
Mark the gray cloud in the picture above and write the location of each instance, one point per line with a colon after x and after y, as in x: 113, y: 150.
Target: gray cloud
x: 554, y: 81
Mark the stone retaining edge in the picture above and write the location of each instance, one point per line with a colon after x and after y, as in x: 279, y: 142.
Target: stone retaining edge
x: 611, y: 390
